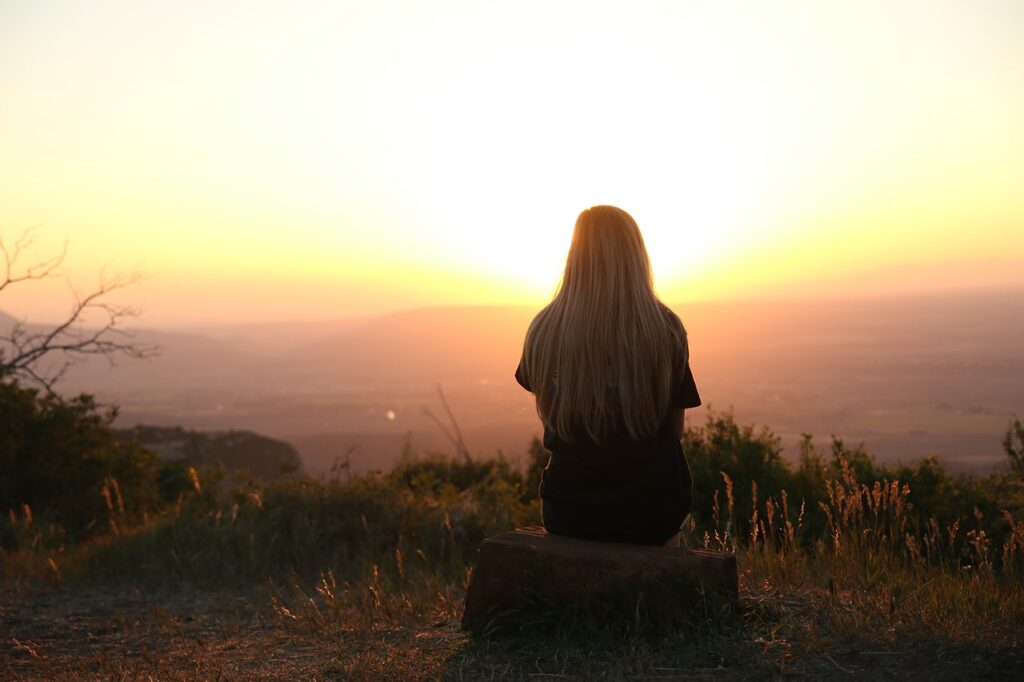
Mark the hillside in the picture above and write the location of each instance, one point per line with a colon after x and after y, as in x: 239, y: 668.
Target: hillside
x: 266, y: 458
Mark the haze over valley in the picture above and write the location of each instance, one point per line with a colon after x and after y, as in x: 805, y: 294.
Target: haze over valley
x: 907, y: 376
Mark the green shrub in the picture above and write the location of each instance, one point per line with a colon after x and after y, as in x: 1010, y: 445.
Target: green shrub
x: 60, y: 459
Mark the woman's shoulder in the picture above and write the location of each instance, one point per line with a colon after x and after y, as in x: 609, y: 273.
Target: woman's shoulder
x: 674, y: 323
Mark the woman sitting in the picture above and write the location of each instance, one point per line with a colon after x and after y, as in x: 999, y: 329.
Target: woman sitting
x: 608, y: 363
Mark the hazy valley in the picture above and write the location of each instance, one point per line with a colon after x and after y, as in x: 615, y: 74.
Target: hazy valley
x: 911, y: 376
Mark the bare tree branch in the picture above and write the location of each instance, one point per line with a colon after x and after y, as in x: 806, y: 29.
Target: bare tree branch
x: 455, y: 434
x: 40, y: 270
x: 23, y: 348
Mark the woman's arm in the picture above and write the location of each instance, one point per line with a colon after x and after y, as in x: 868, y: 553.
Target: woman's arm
x: 677, y: 421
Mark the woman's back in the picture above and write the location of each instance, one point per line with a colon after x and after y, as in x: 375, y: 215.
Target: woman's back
x: 623, y: 490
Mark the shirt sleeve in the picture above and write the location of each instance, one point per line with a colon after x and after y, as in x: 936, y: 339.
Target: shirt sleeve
x: 684, y: 392
x: 684, y: 388
x: 521, y: 377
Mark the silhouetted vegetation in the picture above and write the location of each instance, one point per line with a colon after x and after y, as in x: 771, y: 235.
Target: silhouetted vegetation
x: 43, y: 355
x: 66, y: 467
x: 1013, y: 445
x: 63, y: 464
x: 751, y: 460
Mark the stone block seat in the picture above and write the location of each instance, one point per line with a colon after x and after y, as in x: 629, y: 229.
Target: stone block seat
x: 516, y: 566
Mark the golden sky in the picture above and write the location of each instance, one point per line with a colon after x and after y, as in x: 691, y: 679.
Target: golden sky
x: 313, y: 160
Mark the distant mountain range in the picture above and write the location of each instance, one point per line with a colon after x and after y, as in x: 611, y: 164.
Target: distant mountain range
x: 907, y: 375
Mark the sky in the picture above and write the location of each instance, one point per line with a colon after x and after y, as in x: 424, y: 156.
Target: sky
x: 282, y: 160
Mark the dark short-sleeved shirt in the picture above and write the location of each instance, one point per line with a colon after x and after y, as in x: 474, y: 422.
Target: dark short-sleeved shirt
x: 623, y: 490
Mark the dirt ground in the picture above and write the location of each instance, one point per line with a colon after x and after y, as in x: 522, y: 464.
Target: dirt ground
x: 100, y: 634
x: 128, y: 635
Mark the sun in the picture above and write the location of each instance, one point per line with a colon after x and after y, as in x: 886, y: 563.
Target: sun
x: 504, y: 169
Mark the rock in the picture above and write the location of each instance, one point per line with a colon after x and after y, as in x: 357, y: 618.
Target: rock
x: 515, y: 566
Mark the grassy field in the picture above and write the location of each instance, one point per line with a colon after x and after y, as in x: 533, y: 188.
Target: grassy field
x: 363, y: 577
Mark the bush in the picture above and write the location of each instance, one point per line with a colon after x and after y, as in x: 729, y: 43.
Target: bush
x: 746, y: 457
x: 60, y: 459
x: 736, y: 468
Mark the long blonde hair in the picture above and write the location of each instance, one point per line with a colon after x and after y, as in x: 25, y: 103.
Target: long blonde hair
x: 605, y: 327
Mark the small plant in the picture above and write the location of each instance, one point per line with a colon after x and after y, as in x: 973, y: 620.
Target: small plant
x: 1013, y: 445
